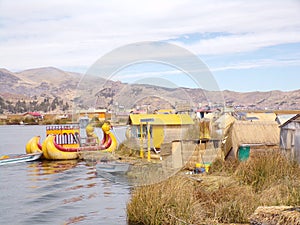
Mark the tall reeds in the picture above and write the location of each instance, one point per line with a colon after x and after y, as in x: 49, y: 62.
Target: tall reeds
x: 267, y: 170
x: 229, y: 194
x: 168, y: 202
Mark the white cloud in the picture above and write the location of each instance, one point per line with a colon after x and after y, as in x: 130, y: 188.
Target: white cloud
x: 257, y: 64
x: 71, y: 33
x: 242, y: 42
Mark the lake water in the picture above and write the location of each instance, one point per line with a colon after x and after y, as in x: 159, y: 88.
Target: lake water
x: 55, y: 192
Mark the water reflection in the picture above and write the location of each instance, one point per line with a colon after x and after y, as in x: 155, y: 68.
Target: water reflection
x: 45, y: 167
x: 74, y: 220
x: 55, y: 192
x: 60, y: 192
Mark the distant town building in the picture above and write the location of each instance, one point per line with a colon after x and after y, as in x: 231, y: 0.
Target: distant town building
x: 201, y: 113
x: 33, y: 115
x: 91, y: 113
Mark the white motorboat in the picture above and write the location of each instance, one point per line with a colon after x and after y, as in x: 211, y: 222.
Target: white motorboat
x: 16, y: 158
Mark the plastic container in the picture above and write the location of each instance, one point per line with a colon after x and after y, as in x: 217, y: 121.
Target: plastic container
x: 244, y: 152
x: 203, y: 167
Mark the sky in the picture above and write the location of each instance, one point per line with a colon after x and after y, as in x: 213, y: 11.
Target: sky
x: 246, y: 45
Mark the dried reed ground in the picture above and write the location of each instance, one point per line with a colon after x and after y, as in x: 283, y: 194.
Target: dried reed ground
x: 228, y: 194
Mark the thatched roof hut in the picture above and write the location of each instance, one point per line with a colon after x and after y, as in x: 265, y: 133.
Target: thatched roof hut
x: 224, y: 122
x: 263, y: 116
x: 250, y: 133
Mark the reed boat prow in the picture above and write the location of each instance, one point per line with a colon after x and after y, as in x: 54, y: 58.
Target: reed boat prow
x: 64, y: 142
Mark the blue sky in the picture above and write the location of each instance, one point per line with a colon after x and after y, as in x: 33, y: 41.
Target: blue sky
x: 246, y: 45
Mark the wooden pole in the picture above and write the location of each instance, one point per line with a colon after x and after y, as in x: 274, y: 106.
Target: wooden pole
x: 141, y: 141
x: 148, y: 134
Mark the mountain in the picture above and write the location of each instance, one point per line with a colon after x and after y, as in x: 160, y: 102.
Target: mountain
x: 261, y: 100
x: 37, y: 82
x: 54, y: 88
x: 48, y: 74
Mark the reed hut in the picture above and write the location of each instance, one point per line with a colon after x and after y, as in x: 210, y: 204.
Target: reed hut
x: 248, y: 137
x: 262, y: 116
x: 290, y: 137
x: 224, y: 123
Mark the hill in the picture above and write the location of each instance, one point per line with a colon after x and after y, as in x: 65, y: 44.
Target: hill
x: 46, y: 85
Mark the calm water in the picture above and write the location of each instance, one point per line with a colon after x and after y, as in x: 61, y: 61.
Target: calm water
x: 55, y: 192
